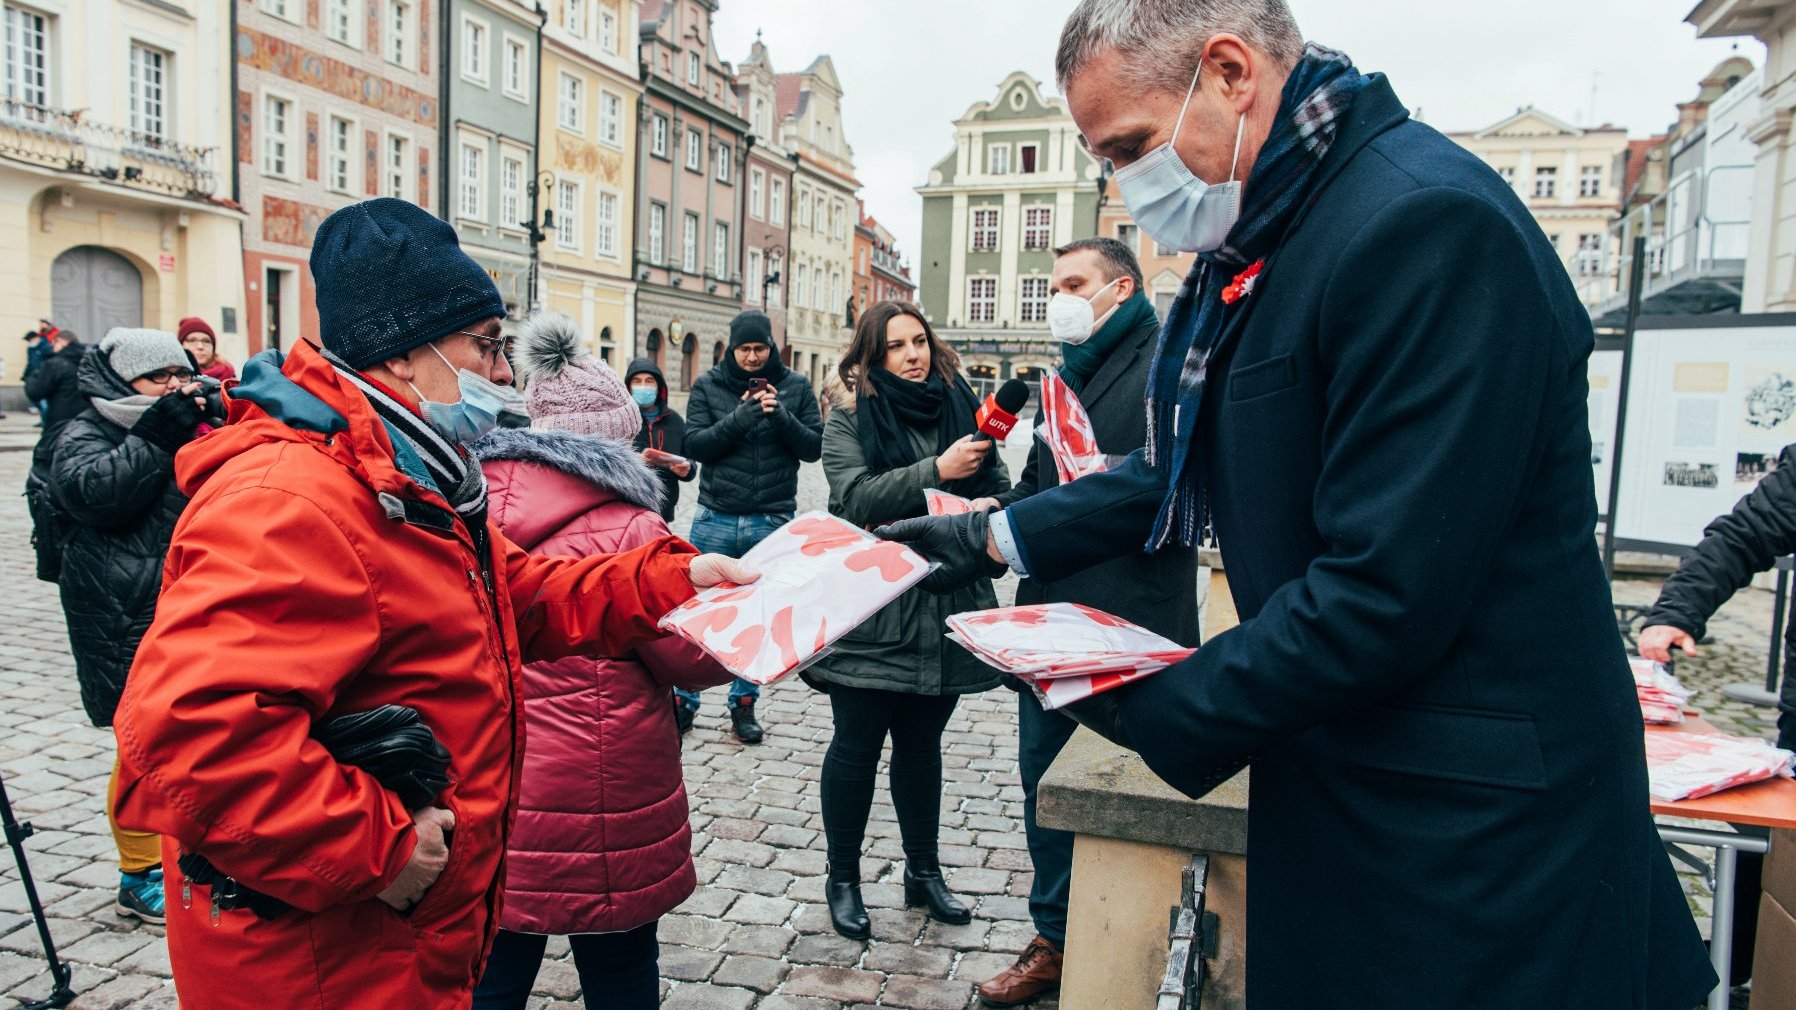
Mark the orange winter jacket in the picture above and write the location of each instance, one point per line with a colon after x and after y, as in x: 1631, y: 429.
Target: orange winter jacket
x: 318, y: 573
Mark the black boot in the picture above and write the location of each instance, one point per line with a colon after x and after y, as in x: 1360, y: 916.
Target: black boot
x: 846, y: 910
x: 924, y: 886
x: 742, y: 719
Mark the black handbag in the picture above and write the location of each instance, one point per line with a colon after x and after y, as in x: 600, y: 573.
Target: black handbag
x: 392, y: 743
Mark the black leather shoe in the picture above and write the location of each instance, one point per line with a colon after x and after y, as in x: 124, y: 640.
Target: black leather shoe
x: 924, y: 887
x: 847, y: 912
x: 742, y: 719
x: 683, y: 714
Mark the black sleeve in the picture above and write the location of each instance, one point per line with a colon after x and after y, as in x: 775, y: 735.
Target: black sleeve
x: 41, y: 383
x: 801, y: 424
x: 1101, y: 517
x: 708, y: 438
x: 1734, y: 548
x: 104, y: 485
x: 1434, y: 397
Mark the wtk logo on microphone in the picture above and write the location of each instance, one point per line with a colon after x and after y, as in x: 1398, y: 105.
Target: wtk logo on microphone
x: 997, y: 415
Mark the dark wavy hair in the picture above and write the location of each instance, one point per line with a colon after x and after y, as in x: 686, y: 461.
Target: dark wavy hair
x: 867, y: 350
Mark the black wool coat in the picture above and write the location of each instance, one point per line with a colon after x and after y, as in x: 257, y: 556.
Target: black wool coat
x: 751, y: 460
x: 118, y: 491
x: 1448, y: 801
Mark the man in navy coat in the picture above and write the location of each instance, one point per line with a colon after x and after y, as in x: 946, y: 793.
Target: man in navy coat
x: 1373, y: 388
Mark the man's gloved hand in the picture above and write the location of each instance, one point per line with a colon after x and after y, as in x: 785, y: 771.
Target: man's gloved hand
x: 957, y: 543
x: 1101, y: 714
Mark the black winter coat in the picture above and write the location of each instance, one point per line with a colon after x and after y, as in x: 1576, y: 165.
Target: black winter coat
x: 751, y: 460
x: 117, y: 490
x: 1734, y: 548
x: 667, y: 432
x: 1448, y: 797
x: 58, y: 381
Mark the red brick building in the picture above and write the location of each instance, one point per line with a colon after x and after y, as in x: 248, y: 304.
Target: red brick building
x: 879, y: 274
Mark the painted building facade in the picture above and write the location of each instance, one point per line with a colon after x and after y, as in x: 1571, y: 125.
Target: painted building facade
x: 116, y: 198
x: 1016, y: 185
x: 809, y: 107
x: 766, y: 222
x: 488, y: 134
x: 879, y: 273
x: 689, y: 161
x: 590, y: 96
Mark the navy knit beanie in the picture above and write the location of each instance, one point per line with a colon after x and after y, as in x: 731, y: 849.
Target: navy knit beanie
x: 390, y: 277
x: 751, y: 326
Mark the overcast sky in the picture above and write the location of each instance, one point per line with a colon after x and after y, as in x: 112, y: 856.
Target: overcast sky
x: 909, y: 68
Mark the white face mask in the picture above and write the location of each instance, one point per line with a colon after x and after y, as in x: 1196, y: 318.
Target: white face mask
x: 476, y: 413
x: 1177, y: 208
x: 1072, y: 320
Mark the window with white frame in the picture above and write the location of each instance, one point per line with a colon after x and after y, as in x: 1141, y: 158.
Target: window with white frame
x: 573, y: 16
x: 835, y: 220
x: 340, y: 160
x: 693, y: 66
x: 27, y: 57
x: 1590, y: 180
x: 511, y: 188
x: 277, y: 135
x: 567, y: 215
x: 1130, y: 236
x: 149, y: 93
x: 695, y: 150
x: 998, y: 159
x: 776, y: 203
x: 1027, y: 157
x: 570, y: 106
x: 1590, y: 255
x: 1546, y: 182
x: 657, y: 233
x: 720, y: 249
x: 752, y: 272
x: 1507, y: 174
x: 774, y: 296
x: 605, y: 239
x: 817, y: 301
x: 725, y: 158
x: 401, y: 23
x: 398, y: 182
x: 474, y: 43
x: 757, y: 194
x: 689, y: 244
x: 286, y: 10
x: 471, y: 183
x: 982, y: 299
x: 804, y: 208
x: 835, y: 292
x: 1038, y: 227
x: 985, y: 229
x: 611, y: 119
x: 1034, y: 308
x: 818, y: 222
x: 517, y: 68
x: 658, y: 136
x: 798, y: 276
x: 608, y: 29
x: 343, y: 20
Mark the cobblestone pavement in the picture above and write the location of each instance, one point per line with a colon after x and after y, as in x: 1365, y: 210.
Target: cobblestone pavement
x: 755, y: 934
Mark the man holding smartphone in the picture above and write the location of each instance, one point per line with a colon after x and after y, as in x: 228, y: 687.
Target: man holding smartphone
x: 750, y: 421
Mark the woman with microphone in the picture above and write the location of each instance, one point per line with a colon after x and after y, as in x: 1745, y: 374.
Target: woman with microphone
x: 910, y: 427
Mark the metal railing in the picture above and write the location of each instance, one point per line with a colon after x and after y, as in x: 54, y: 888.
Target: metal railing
x: 1687, y: 234
x: 68, y: 142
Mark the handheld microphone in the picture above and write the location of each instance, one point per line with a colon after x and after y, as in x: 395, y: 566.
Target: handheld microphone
x: 997, y: 415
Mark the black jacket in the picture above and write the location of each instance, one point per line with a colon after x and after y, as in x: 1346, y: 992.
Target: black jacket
x: 667, y: 432
x: 57, y: 381
x: 751, y: 460
x: 117, y: 490
x: 1156, y: 591
x: 1449, y: 803
x: 1734, y: 548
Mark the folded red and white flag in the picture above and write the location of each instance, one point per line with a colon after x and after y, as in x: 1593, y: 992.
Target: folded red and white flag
x: 1066, y: 428
x: 1684, y: 766
x: 1662, y: 698
x: 946, y: 503
x: 820, y: 577
x: 1065, y: 652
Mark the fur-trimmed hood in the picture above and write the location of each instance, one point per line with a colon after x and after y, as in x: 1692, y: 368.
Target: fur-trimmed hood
x: 573, y: 474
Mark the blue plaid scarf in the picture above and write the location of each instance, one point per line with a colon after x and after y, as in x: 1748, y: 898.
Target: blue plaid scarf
x: 1316, y: 97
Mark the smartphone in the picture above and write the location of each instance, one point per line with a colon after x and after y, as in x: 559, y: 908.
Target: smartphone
x: 758, y: 385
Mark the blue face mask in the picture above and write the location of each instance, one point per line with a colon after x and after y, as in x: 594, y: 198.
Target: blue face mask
x: 645, y: 396
x: 1177, y: 208
x: 476, y: 413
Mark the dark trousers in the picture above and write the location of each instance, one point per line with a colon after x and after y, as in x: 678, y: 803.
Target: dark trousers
x: 618, y: 971
x: 1040, y: 735
x: 864, y: 718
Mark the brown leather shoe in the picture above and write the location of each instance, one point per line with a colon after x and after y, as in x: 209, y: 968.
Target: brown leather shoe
x: 1036, y: 971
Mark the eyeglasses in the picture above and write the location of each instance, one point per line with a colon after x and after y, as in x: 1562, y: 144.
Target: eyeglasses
x: 161, y: 377
x: 492, y: 347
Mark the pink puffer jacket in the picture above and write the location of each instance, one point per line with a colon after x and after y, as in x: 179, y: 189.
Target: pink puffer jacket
x: 602, y: 842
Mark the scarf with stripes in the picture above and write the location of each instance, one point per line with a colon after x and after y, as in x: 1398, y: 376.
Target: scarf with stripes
x: 1316, y: 98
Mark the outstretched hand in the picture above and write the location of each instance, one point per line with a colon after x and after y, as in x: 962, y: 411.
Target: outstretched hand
x: 960, y: 544
x: 715, y: 569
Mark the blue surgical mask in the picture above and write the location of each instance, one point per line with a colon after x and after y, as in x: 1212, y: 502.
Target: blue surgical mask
x: 1177, y: 208
x: 476, y: 413
x: 645, y: 396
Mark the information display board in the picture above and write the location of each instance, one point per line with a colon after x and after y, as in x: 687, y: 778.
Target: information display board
x: 1605, y: 404
x: 1711, y: 401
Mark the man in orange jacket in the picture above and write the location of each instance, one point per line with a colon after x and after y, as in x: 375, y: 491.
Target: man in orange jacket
x: 337, y: 557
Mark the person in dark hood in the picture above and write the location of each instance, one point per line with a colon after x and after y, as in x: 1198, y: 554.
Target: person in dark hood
x: 37, y: 351
x: 663, y: 430
x: 54, y: 385
x: 113, y: 478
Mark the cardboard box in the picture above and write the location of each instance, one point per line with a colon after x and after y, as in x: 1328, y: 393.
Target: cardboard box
x: 1780, y: 869
x: 1774, y: 958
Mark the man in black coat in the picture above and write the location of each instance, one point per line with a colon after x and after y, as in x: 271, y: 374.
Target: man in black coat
x: 1107, y: 327
x: 55, y: 384
x: 1386, y: 428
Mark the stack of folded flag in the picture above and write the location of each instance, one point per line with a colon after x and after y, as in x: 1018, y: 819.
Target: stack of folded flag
x: 1064, y: 652
x: 1662, y: 698
x: 1684, y: 766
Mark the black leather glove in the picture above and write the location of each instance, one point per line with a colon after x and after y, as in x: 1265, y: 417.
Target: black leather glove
x: 1101, y: 714
x: 957, y: 543
x: 170, y: 421
x: 393, y: 744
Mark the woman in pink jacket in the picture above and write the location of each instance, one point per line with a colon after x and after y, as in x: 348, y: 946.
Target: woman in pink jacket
x: 601, y: 849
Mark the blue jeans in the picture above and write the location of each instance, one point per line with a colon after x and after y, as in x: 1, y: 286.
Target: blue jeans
x: 732, y: 535
x: 620, y: 971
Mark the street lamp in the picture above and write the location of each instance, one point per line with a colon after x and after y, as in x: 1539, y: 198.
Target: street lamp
x: 538, y: 233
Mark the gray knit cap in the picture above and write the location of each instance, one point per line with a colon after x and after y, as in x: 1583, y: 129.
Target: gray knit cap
x: 134, y: 353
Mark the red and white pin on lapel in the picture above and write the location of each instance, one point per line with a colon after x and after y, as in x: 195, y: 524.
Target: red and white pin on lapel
x: 1242, y: 285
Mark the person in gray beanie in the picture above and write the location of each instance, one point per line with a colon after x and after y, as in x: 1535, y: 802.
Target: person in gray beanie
x: 338, y: 556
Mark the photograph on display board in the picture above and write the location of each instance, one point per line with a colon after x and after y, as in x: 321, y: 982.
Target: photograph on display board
x: 1752, y: 467
x: 1769, y: 408
x: 1703, y: 476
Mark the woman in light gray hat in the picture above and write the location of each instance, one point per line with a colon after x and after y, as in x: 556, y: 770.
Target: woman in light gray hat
x: 112, y: 477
